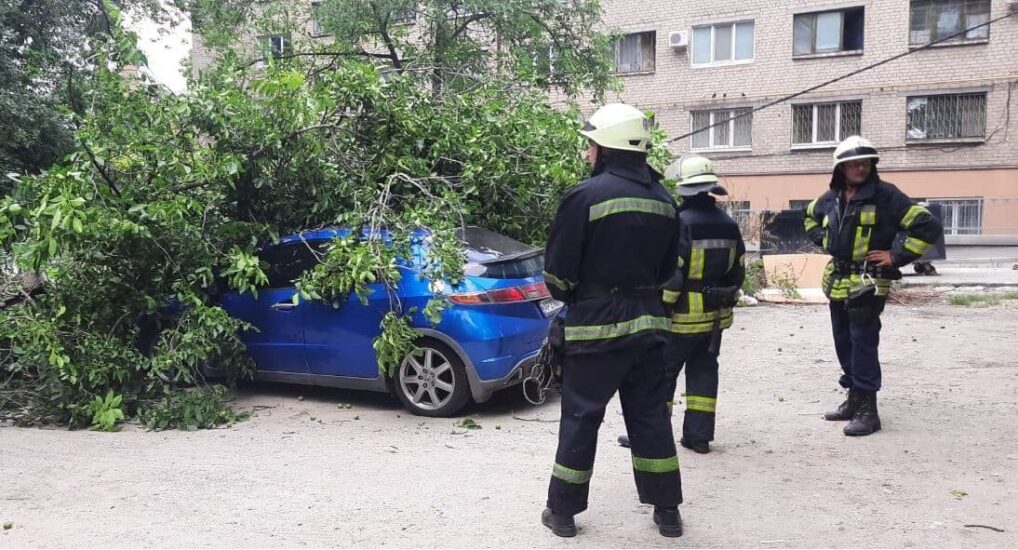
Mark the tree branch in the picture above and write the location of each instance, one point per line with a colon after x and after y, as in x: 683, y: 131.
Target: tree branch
x: 102, y: 171
x: 466, y: 23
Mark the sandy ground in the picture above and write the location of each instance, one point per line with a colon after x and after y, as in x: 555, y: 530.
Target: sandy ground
x: 307, y: 473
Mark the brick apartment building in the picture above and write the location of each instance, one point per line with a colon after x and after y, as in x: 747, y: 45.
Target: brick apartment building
x: 941, y: 117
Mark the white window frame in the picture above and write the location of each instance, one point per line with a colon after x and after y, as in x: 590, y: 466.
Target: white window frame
x: 952, y: 228
x: 838, y: 138
x: 713, y: 33
x: 714, y: 118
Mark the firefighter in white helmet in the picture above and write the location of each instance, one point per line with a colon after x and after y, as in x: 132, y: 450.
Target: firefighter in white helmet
x: 856, y: 222
x: 611, y: 248
x: 701, y: 294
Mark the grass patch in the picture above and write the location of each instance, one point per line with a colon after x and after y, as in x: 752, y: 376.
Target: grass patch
x: 981, y: 300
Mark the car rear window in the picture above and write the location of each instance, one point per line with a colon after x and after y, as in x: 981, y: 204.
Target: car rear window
x: 496, y: 256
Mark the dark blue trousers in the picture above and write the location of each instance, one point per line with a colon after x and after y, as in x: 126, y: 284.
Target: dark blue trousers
x: 856, y: 341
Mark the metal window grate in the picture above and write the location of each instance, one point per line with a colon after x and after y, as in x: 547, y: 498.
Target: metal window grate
x: 734, y: 133
x: 947, y: 116
x: 825, y: 123
x: 961, y: 216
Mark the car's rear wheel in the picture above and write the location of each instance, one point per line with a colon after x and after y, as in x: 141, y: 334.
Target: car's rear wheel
x: 432, y: 382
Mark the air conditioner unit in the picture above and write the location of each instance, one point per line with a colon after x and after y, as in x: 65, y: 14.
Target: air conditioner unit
x: 680, y: 39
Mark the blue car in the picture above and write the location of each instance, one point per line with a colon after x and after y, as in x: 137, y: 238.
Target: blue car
x: 497, y: 321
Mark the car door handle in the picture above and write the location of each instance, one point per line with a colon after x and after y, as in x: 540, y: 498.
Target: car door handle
x: 284, y: 306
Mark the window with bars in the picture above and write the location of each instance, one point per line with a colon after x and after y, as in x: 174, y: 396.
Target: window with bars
x: 739, y: 211
x: 729, y: 132
x: 635, y: 53
x: 961, y: 216
x: 825, y: 123
x: 828, y: 32
x: 723, y: 43
x: 948, y: 116
x: 932, y: 20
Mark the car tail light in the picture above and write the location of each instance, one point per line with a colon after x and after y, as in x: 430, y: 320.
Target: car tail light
x: 516, y: 294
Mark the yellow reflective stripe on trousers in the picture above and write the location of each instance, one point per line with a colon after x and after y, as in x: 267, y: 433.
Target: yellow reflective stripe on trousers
x: 917, y: 246
x: 617, y: 330
x: 671, y: 296
x: 656, y: 465
x: 695, y: 302
x: 701, y: 323
x: 569, y: 475
x: 701, y: 404
x: 696, y: 259
x: 564, y: 285
x: 841, y: 286
x: 910, y: 216
x: 630, y: 204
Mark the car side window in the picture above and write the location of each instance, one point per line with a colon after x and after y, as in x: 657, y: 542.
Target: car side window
x: 289, y: 261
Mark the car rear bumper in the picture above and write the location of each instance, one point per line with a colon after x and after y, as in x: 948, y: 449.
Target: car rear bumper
x: 481, y: 389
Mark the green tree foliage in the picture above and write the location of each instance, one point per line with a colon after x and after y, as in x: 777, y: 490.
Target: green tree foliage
x: 47, y: 61
x: 166, y: 199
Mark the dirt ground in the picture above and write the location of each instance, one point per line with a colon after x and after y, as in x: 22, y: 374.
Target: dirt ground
x: 308, y: 473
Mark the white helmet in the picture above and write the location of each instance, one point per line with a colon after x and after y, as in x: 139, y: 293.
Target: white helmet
x: 854, y: 148
x: 695, y: 175
x: 620, y: 126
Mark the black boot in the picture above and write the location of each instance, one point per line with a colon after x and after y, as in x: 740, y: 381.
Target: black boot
x: 701, y: 447
x: 668, y: 521
x: 624, y: 441
x: 846, y: 410
x: 866, y: 420
x: 560, y: 524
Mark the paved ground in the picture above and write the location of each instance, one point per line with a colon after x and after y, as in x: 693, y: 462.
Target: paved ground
x: 306, y: 473
x: 965, y: 276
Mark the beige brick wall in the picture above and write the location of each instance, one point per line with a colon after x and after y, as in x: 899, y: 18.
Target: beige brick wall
x: 676, y: 88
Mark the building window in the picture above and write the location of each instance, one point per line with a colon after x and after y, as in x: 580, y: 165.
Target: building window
x: 276, y: 45
x: 825, y: 123
x: 961, y: 216
x: 635, y: 53
x: 723, y: 44
x: 316, y: 21
x: 408, y: 16
x: 932, y: 20
x: 828, y: 32
x: 946, y: 116
x: 735, y: 133
x: 739, y: 211
x: 799, y: 204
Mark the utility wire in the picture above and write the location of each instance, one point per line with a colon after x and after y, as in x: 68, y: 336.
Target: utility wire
x: 844, y: 76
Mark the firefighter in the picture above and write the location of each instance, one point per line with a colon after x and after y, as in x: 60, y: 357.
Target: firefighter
x: 611, y: 247
x: 701, y: 296
x: 856, y: 222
